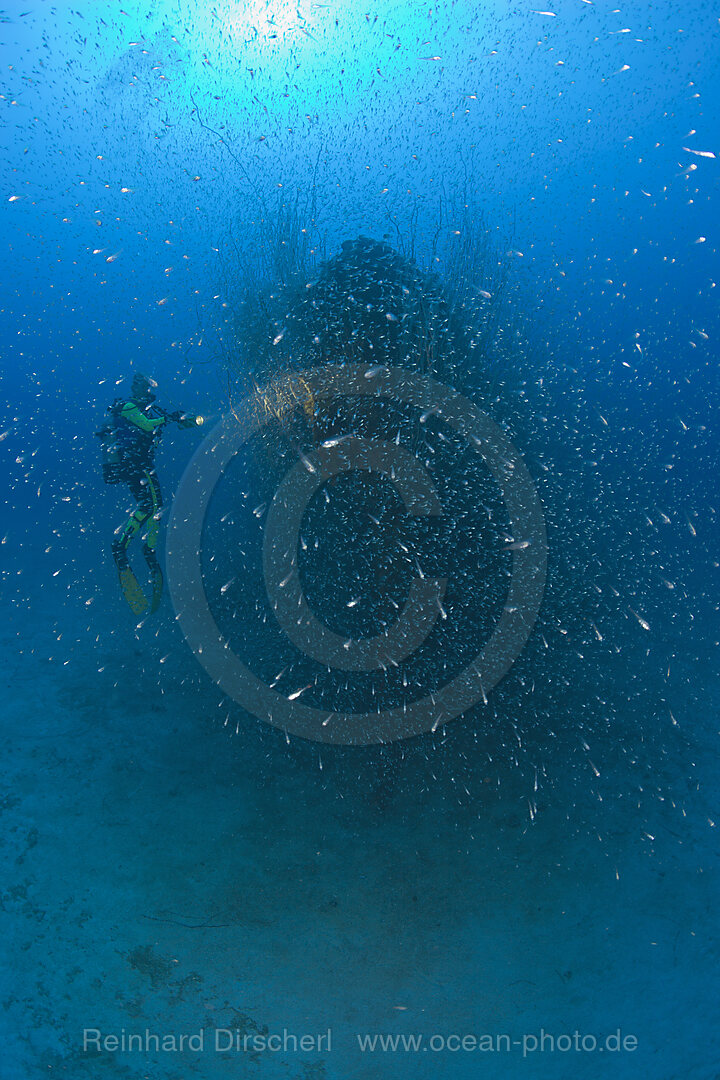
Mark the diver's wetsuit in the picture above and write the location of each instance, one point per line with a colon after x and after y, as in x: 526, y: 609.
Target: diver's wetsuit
x: 145, y: 422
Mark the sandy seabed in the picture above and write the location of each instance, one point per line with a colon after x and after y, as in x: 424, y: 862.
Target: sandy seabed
x: 163, y: 879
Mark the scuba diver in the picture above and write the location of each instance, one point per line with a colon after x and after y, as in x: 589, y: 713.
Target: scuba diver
x: 129, y: 441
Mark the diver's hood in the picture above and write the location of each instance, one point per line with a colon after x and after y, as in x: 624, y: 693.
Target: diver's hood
x: 143, y: 387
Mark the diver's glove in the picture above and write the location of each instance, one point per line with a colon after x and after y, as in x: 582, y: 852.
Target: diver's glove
x: 185, y: 420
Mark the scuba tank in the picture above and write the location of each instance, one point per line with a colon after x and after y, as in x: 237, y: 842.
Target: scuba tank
x: 116, y: 441
x: 124, y: 447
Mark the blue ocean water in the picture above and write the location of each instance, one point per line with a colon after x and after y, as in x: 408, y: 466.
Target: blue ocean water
x: 529, y: 889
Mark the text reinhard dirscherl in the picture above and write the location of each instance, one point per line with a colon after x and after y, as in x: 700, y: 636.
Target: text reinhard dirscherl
x: 217, y: 1040
x: 227, y: 1040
